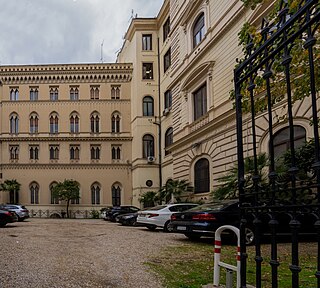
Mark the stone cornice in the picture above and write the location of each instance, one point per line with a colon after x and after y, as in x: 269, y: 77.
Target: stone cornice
x: 55, y: 74
x: 65, y: 166
x: 63, y: 139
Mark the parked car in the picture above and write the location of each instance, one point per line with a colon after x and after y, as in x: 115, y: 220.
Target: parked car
x: 113, y: 212
x: 7, y: 217
x: 21, y: 211
x: 205, y: 219
x: 159, y: 216
x: 129, y: 219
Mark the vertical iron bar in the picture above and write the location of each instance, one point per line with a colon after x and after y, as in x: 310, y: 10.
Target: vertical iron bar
x: 243, y: 252
x: 310, y: 42
x: 272, y: 178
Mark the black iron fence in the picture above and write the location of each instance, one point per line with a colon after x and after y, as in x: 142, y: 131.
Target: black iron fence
x: 282, y: 66
x: 75, y: 214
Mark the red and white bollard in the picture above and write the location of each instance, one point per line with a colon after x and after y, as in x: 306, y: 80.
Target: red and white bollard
x: 217, y: 258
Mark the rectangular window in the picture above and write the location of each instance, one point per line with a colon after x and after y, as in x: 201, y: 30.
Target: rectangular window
x: 166, y: 29
x: 115, y: 91
x: 74, y: 93
x: 146, y: 42
x: 94, y: 92
x: 54, y: 93
x: 34, y: 93
x: 54, y: 152
x: 95, y: 152
x: 75, y: 201
x: 74, y: 152
x: 147, y: 71
x: 167, y: 99
x: 116, y: 152
x: 14, y: 93
x: 34, y: 152
x: 200, y: 102
x: 167, y: 60
x: 14, y: 152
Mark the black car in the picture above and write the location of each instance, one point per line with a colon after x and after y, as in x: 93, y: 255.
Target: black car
x: 205, y: 219
x: 113, y: 212
x: 7, y: 217
x: 129, y: 219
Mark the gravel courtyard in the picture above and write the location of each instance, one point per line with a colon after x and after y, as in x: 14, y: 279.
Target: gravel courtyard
x: 78, y: 253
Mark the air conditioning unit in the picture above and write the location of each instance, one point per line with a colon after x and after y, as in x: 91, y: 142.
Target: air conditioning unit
x: 151, y: 159
x: 166, y: 111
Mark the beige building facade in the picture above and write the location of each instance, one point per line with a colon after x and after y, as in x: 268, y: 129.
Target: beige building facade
x: 165, y: 115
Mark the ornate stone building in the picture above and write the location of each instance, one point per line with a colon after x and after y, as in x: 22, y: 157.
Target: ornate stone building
x: 123, y: 129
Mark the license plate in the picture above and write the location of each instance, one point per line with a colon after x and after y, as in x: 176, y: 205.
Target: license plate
x: 181, y: 228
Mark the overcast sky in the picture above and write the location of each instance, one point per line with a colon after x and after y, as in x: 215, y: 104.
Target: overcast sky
x: 66, y: 31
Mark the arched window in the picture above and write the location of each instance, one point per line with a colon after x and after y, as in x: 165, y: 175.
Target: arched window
x: 148, y: 145
x: 74, y: 152
x: 168, y: 139
x: 148, y: 106
x: 14, y: 94
x: 116, y: 152
x: 14, y: 124
x: 74, y: 123
x: 54, y: 124
x: 95, y: 122
x: 34, y: 94
x: 54, y: 93
x: 281, y: 139
x: 115, y: 123
x: 34, y: 122
x: 76, y: 201
x: 74, y: 93
x: 198, y: 30
x: 54, y: 200
x: 34, y: 193
x: 94, y: 92
x: 95, y: 194
x: 201, y: 176
x: 116, y: 195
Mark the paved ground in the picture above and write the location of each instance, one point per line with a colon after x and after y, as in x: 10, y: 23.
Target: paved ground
x: 78, y: 253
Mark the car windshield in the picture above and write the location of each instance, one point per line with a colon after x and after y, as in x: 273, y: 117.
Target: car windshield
x: 212, y: 206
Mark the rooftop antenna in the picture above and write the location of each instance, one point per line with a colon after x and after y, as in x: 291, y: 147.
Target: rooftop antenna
x: 101, y: 58
x: 133, y: 15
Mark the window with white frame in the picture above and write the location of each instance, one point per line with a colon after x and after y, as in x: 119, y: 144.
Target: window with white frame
x: 115, y: 123
x: 95, y: 122
x: 74, y: 93
x: 94, y: 92
x: 74, y: 152
x: 54, y: 124
x: 14, y: 152
x: 14, y: 94
x: 34, y: 152
x: 115, y: 91
x: 14, y: 123
x: 95, y: 194
x: 74, y: 123
x: 54, y: 93
x: 200, y: 102
x: 34, y: 193
x: 116, y: 152
x: 147, y: 42
x: 198, y: 30
x: 54, y: 152
x: 95, y: 152
x: 34, y: 123
x: 34, y: 92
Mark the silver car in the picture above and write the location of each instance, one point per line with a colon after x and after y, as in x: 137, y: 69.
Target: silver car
x: 21, y: 211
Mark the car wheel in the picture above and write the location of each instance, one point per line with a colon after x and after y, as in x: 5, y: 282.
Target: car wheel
x: 132, y: 222
x: 250, y: 237
x: 167, y: 227
x: 193, y: 236
x: 20, y: 219
x: 152, y: 227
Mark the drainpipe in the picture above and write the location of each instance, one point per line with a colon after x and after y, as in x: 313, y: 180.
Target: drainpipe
x: 159, y: 113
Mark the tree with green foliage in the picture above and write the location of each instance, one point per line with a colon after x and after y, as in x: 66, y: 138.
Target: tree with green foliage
x: 229, y: 186
x: 66, y: 191
x: 148, y: 199
x: 174, y: 190
x: 299, y: 63
x: 13, y: 187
